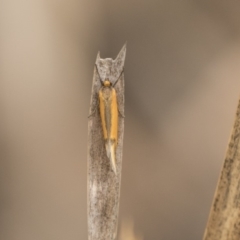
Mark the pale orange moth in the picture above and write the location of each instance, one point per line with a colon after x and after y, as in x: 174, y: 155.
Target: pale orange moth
x: 109, y: 111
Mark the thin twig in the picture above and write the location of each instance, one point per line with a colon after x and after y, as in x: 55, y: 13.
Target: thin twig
x: 103, y: 183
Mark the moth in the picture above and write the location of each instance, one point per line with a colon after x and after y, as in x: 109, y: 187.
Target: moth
x: 109, y: 112
x: 108, y: 106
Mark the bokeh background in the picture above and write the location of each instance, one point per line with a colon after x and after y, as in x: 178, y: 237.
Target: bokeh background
x: 182, y: 76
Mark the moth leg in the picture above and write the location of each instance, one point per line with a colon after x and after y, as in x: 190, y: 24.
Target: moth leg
x: 121, y: 114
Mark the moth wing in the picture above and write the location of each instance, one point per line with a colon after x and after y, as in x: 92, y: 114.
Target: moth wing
x: 110, y: 149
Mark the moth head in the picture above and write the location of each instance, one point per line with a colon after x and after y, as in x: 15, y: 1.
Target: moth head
x: 107, y: 83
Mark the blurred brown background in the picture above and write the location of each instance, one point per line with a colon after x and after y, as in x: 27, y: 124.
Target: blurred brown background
x: 182, y: 77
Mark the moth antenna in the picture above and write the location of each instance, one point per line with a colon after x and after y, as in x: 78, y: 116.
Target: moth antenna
x: 118, y: 77
x: 99, y: 74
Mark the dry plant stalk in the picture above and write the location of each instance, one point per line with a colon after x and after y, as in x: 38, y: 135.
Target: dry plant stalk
x: 103, y: 182
x: 224, y: 218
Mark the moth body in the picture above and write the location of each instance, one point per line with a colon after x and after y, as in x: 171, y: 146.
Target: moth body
x: 109, y: 118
